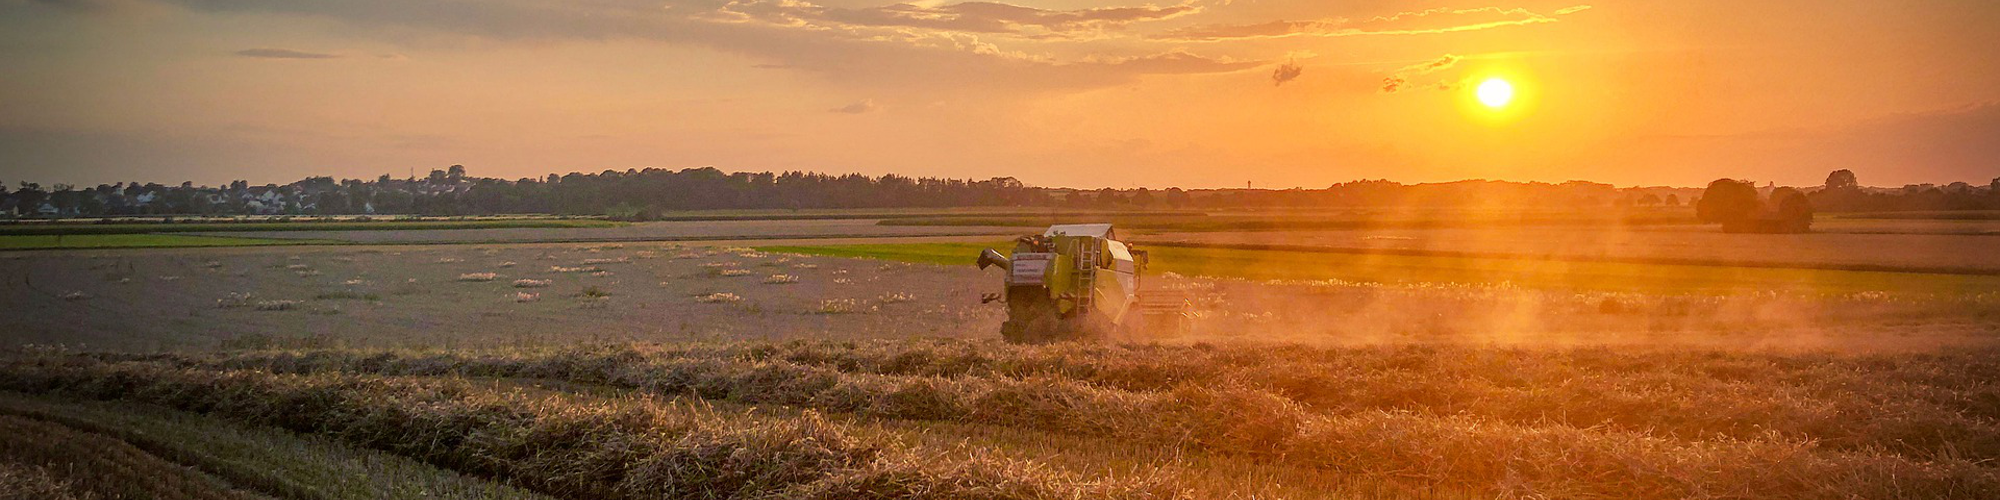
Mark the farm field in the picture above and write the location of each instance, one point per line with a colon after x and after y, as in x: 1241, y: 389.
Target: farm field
x: 864, y: 367
x: 692, y: 230
x: 953, y: 419
x: 1624, y: 220
x: 89, y: 241
x: 1308, y: 263
x: 1923, y: 248
x: 301, y: 224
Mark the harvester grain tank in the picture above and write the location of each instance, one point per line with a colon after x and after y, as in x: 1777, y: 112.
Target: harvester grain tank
x: 1077, y: 281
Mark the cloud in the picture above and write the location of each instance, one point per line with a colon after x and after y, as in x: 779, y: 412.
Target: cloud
x: 1286, y: 72
x: 856, y: 107
x: 971, y: 17
x: 283, y: 54
x: 1572, y: 10
x: 1175, y: 61
x: 1432, y: 21
x: 1401, y: 78
x: 902, y: 55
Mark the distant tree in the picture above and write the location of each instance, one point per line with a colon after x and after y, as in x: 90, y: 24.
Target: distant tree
x: 1842, y: 180
x: 455, y: 173
x: 1729, y: 202
x: 1142, y: 197
x: 65, y: 198
x: 1649, y: 199
x: 1795, y: 212
x: 1673, y: 200
x: 30, y: 197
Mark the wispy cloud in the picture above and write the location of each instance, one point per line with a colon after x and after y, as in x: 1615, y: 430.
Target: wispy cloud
x: 284, y: 54
x: 856, y: 107
x: 1401, y: 78
x: 971, y: 17
x: 1431, y: 21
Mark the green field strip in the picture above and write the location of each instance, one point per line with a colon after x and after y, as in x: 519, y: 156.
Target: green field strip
x: 102, y: 241
x: 1296, y: 264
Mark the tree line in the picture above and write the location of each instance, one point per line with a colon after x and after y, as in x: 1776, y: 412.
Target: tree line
x: 643, y: 194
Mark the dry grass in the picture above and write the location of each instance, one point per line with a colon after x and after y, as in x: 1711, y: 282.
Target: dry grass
x: 57, y: 461
x: 617, y: 450
x: 268, y: 460
x: 1577, y: 423
x: 27, y: 481
x: 276, y: 305
x: 843, y: 306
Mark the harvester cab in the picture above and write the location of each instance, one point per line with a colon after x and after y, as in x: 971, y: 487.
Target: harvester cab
x: 1075, y: 281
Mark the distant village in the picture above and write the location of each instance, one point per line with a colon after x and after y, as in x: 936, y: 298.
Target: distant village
x: 638, y: 193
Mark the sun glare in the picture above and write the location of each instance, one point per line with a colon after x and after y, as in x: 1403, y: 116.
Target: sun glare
x: 1495, y: 93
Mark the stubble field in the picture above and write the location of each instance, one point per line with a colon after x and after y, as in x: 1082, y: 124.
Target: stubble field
x: 653, y: 370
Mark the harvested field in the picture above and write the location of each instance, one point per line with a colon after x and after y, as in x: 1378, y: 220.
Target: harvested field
x: 467, y: 296
x: 564, y: 448
x: 274, y: 461
x: 301, y: 224
x: 46, y: 460
x: 641, y: 231
x: 43, y: 242
x: 1570, y: 423
x: 421, y: 297
x: 646, y: 370
x: 1931, y: 249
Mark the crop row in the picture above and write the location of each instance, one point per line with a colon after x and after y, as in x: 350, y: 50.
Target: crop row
x: 45, y: 460
x: 1922, y: 407
x: 560, y: 447
x: 1459, y: 450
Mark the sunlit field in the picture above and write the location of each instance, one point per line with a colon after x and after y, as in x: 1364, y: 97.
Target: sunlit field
x: 999, y: 250
x: 626, y: 370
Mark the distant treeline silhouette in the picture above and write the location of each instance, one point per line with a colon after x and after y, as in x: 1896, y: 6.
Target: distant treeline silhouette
x: 642, y: 194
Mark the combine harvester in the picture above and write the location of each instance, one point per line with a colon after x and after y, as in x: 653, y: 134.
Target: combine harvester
x: 1077, y: 281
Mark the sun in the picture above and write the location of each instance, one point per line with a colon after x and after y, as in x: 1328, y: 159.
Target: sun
x: 1495, y: 93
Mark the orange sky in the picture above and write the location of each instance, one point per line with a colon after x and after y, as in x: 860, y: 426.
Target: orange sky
x: 1054, y: 92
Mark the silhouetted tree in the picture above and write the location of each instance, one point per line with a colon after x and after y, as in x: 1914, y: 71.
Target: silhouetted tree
x: 1728, y: 202
x: 1794, y: 212
x: 1842, y: 179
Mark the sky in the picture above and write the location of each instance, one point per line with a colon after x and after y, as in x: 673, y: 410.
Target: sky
x: 1072, y: 93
